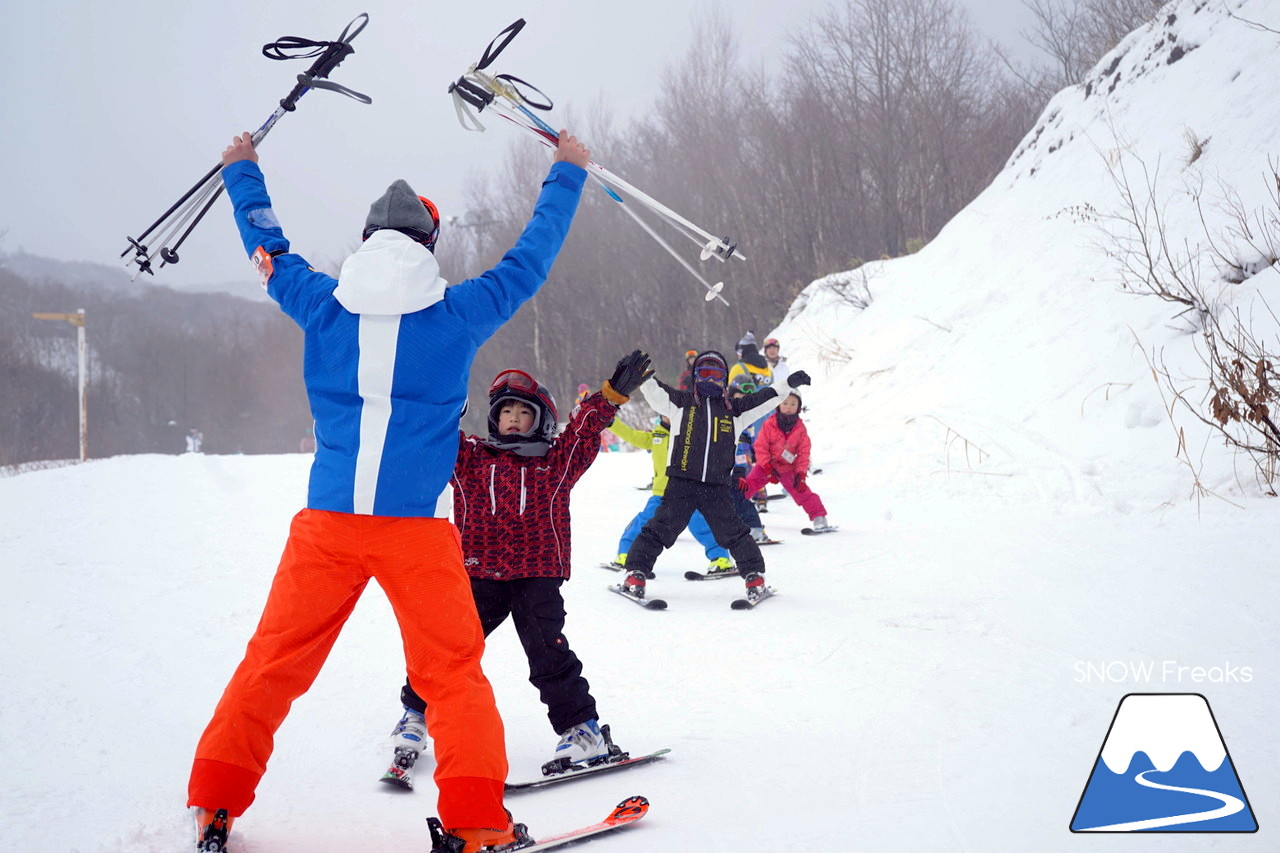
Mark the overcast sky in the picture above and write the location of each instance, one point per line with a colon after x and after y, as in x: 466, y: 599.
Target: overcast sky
x: 110, y: 110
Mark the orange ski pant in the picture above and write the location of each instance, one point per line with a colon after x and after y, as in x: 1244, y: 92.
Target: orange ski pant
x: 327, y: 562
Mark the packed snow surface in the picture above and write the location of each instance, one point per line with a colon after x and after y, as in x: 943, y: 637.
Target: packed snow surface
x: 915, y: 686
x: 1017, y: 552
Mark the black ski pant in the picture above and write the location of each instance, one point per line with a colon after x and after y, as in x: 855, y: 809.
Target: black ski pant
x: 537, y: 609
x: 679, y: 501
x: 744, y: 506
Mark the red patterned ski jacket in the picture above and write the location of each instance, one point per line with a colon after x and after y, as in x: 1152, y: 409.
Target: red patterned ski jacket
x: 512, y: 510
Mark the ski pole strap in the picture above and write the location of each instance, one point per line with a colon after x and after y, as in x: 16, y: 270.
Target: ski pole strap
x: 513, y: 80
x: 466, y: 118
x: 335, y: 87
x: 491, y: 52
x: 328, y: 56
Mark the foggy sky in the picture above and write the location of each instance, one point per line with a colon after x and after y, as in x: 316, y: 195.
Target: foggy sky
x: 109, y: 111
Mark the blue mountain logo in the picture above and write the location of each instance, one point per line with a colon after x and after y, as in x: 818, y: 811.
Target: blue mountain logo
x: 1164, y: 767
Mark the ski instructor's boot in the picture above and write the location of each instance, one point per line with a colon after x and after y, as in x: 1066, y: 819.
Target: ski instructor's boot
x: 476, y: 839
x: 213, y: 827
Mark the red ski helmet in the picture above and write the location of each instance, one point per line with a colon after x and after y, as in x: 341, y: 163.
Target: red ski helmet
x: 518, y: 385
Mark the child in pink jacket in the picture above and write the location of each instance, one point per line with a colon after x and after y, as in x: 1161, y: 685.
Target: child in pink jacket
x: 782, y: 456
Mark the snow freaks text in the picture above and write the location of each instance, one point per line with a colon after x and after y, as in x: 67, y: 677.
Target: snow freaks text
x: 1166, y: 672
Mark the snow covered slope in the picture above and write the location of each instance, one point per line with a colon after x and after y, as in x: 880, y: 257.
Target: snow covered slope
x: 1004, y: 358
x: 913, y: 688
x: 937, y: 676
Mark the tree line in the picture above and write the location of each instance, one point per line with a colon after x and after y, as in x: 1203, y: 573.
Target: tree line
x: 160, y: 363
x: 885, y: 118
x: 881, y: 121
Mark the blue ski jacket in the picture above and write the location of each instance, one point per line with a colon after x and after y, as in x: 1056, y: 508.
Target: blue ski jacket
x: 388, y: 345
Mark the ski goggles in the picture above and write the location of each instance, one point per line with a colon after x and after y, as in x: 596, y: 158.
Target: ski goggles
x: 713, y: 372
x: 426, y: 238
x: 513, y: 380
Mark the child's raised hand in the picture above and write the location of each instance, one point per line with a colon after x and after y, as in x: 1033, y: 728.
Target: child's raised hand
x: 630, y: 373
x: 798, y: 378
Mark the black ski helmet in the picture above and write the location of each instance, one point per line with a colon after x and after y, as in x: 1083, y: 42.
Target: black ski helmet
x: 518, y: 385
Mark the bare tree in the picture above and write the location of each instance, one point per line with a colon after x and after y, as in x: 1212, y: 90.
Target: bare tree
x: 1238, y: 396
x: 1073, y: 35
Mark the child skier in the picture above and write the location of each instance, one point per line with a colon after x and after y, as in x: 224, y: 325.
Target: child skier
x: 387, y: 350
x: 755, y: 366
x: 685, y: 382
x: 706, y: 422
x: 744, y: 459
x: 657, y: 441
x: 782, y: 456
x: 773, y: 354
x: 511, y: 492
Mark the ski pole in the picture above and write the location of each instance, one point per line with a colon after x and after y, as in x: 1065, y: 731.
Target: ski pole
x: 188, y: 210
x: 479, y: 90
x: 713, y: 247
x: 713, y: 291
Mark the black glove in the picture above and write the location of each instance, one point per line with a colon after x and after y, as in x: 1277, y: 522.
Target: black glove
x: 631, y: 372
x: 798, y: 378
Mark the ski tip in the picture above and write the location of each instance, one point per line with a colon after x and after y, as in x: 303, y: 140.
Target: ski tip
x: 632, y: 808
x: 740, y: 604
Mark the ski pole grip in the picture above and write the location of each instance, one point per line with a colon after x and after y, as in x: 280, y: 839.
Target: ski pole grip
x: 495, y: 47
x: 331, y: 59
x: 471, y: 93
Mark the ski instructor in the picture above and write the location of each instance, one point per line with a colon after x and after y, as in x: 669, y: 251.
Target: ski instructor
x: 386, y: 357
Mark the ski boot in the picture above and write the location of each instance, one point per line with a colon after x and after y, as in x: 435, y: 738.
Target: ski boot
x: 721, y: 566
x: 820, y: 523
x: 478, y: 839
x: 586, y: 744
x: 755, y: 585
x: 212, y: 829
x: 409, y: 738
x: 634, y: 583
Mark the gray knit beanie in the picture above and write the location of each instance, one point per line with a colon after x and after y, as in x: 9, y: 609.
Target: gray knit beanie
x: 399, y: 207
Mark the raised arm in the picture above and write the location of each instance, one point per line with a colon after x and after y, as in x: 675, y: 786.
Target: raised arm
x: 489, y: 300
x: 638, y: 438
x: 578, y: 446
x: 288, y: 279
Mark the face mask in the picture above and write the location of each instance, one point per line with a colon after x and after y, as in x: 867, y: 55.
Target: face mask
x: 708, y: 389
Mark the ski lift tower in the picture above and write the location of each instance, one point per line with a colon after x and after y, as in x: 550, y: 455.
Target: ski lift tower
x: 77, y: 320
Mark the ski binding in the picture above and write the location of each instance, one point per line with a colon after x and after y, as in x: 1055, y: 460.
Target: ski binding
x: 648, y: 603
x: 400, y: 773
x: 751, y: 601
